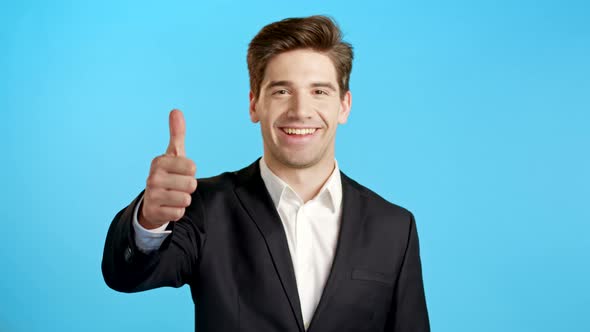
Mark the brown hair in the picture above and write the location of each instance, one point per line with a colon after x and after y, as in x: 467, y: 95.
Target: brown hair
x: 319, y: 33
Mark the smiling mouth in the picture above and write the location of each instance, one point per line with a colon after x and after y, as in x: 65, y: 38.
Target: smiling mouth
x: 299, y: 131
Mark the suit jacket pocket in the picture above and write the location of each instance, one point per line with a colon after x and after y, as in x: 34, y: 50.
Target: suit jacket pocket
x: 361, y: 274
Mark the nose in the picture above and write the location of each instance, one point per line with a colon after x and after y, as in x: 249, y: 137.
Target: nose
x: 300, y: 106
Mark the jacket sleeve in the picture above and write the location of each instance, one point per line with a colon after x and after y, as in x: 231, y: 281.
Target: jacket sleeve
x: 126, y: 269
x: 408, y: 311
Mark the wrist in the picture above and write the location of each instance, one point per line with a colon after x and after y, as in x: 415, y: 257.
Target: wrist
x: 144, y: 222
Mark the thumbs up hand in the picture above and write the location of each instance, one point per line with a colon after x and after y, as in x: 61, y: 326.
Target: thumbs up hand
x: 171, y: 180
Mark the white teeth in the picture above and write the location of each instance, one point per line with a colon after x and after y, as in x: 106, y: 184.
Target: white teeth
x: 297, y: 131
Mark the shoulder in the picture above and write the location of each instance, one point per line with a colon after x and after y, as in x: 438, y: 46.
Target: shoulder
x: 375, y: 203
x: 218, y: 182
x: 225, y: 183
x: 218, y: 185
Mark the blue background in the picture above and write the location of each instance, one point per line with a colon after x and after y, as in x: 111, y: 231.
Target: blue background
x: 475, y: 115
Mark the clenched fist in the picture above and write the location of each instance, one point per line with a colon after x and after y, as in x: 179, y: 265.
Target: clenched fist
x: 171, y: 180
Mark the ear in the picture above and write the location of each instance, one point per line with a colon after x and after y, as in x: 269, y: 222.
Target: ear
x: 253, y: 114
x: 345, y: 105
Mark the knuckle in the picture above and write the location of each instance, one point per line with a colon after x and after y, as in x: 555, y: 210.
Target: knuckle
x: 156, y: 162
x: 190, y: 186
x: 171, y: 216
x: 150, y: 182
x: 192, y: 167
x: 177, y: 214
x: 187, y: 200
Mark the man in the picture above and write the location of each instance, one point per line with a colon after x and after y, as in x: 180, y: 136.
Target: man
x: 288, y: 243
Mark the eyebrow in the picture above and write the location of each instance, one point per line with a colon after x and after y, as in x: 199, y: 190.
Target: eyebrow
x: 273, y: 84
x: 324, y: 85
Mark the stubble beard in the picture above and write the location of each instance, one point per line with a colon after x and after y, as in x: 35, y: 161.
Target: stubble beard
x: 299, y: 159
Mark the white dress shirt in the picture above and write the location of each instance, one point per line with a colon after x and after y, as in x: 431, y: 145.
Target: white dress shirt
x: 311, y: 228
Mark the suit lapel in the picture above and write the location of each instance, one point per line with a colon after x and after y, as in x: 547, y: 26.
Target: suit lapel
x: 350, y: 231
x: 256, y: 200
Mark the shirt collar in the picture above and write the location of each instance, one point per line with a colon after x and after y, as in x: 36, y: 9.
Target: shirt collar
x: 277, y: 187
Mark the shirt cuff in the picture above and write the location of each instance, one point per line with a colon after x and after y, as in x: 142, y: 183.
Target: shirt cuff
x: 148, y: 240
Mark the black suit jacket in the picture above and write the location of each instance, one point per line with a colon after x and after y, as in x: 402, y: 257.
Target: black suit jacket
x: 231, y: 249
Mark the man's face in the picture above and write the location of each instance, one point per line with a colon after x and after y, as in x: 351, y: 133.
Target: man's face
x: 299, y: 108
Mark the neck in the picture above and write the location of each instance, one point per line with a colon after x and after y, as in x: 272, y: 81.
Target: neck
x: 306, y: 182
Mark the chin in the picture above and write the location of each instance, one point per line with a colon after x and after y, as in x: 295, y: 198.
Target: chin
x: 299, y: 160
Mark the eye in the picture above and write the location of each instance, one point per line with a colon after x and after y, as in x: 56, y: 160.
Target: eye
x: 320, y: 92
x: 281, y: 92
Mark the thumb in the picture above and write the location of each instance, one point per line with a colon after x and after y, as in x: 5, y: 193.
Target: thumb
x: 177, y: 130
